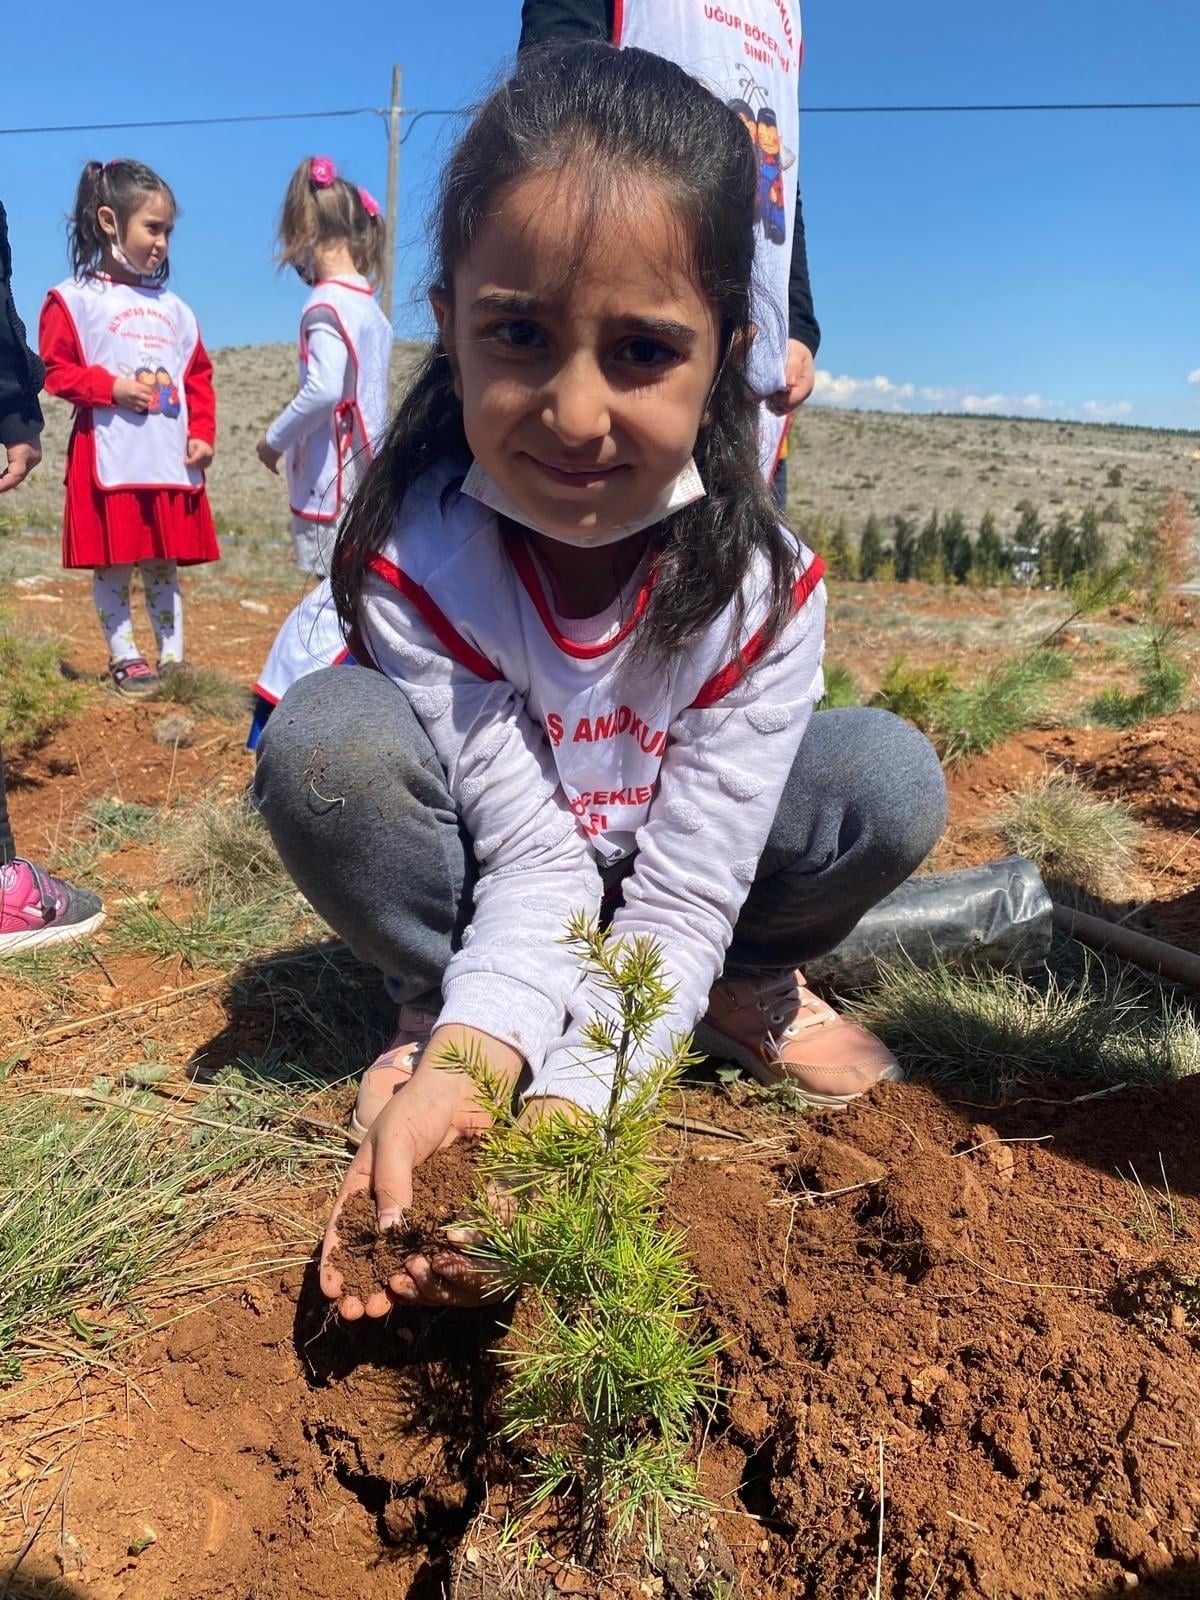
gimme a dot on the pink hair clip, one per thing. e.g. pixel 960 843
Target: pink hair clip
pixel 370 204
pixel 321 172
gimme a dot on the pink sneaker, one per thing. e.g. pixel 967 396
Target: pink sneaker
pixel 392 1068
pixel 37 910
pixel 778 1029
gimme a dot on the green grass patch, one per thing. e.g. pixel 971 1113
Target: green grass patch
pixel 35 698
pixel 1072 835
pixel 99 1197
pixel 840 690
pixel 210 936
pixel 207 692
pixel 224 848
pixel 996 1033
pixel 112 822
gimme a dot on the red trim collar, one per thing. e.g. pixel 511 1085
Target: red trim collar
pixel 518 552
pixel 358 288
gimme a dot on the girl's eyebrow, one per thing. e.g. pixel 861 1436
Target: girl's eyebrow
pixel 662 328
pixel 520 305
pixel 526 305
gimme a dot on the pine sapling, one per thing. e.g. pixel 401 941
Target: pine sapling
pixel 1163 679
pixel 605 1371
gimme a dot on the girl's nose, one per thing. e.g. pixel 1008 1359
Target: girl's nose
pixel 577 404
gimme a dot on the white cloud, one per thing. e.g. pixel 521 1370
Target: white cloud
pixel 1194 377
pixel 871 392
pixel 1106 410
pixel 881 393
pixel 1006 405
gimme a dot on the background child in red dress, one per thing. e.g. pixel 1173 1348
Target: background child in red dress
pixel 127 353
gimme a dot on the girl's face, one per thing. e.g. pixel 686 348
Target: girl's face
pixel 583 373
pixel 146 236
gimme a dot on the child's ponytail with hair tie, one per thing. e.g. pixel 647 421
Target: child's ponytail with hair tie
pixel 321 209
pixel 85 238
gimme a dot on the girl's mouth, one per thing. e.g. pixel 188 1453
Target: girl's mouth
pixel 572 475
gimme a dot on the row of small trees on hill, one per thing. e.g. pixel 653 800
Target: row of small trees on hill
pixel 1045 553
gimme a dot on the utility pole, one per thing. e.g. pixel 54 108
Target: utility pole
pixel 393 175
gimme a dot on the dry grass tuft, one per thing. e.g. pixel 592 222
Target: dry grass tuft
pixel 997 1033
pixel 1072 836
pixel 222 848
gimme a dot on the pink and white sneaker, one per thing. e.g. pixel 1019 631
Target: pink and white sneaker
pixel 37 910
pixel 776 1028
pixel 392 1067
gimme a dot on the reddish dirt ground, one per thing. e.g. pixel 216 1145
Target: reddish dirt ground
pixel 1028 1356
pixel 963 1285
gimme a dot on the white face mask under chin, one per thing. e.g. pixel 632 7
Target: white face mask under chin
pixel 686 488
pixel 149 279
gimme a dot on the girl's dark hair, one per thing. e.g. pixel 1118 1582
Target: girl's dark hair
pixel 123 185
pixel 616 115
pixel 329 213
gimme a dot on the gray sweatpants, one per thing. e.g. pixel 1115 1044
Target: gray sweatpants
pixel 356 801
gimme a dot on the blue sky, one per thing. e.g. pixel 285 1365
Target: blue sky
pixel 1040 265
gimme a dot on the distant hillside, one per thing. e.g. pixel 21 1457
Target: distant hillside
pixel 844 463
pixel 852 463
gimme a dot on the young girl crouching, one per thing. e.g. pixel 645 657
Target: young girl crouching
pixel 598 651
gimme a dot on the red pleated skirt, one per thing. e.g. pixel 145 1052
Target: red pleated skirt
pixel 114 527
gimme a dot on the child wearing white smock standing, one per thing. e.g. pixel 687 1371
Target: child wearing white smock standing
pixel 333 235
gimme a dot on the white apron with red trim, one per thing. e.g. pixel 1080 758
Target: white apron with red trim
pixel 748 53
pixel 146 333
pixel 321 467
pixel 310 638
pixel 607 717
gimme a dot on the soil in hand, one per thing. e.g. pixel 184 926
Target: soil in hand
pixel 367 1258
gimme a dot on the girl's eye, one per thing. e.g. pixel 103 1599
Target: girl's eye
pixel 647 353
pixel 516 335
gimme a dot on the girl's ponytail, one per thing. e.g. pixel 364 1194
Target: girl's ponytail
pixel 322 208
pixel 369 246
pixel 85 240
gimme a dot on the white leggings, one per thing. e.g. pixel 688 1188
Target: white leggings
pixel 111 591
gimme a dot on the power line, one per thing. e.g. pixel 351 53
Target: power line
pixel 200 122
pixel 1041 105
pixel 416 115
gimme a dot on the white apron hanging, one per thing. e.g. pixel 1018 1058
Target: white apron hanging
pixel 748 53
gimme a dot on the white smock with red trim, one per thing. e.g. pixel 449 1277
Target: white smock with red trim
pixel 310 638
pixel 748 52
pixel 568 753
pixel 134 331
pixel 322 464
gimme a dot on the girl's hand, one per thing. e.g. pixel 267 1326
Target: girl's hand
pixel 199 454
pixel 433 1109
pixel 132 394
pixel 269 457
